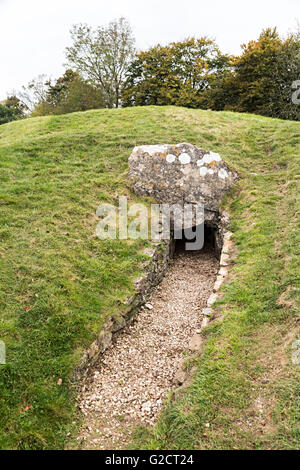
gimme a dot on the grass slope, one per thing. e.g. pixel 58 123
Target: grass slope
pixel 58 282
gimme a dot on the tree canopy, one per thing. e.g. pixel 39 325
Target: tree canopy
pixel 104 70
pixel 102 56
pixel 194 73
pixel 6 114
pixel 175 74
pixel 69 93
pixel 262 77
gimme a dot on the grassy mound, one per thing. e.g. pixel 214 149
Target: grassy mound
pixel 58 282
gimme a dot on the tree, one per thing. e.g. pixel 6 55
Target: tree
pixel 81 96
pixel 255 71
pixel 69 93
pixel 6 114
pixel 34 92
pixel 151 79
pixel 102 56
pixel 286 73
pixel 58 92
pixel 177 74
pixel 263 76
pixel 15 104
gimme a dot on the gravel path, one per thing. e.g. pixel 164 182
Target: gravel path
pixel 133 378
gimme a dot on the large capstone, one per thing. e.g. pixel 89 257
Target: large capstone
pixel 179 174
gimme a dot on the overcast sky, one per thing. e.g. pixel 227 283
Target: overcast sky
pixel 34 33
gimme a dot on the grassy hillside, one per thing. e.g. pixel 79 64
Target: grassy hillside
pixel 58 282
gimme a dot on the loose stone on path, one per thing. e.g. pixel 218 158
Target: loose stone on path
pixel 134 377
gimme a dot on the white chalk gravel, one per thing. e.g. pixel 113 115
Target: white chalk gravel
pixel 132 379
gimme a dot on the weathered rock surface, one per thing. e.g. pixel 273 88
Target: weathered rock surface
pixel 196 343
pixel 183 173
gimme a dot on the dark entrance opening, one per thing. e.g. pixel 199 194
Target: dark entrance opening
pixel 209 241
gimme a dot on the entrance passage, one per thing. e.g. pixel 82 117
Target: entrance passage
pixel 133 378
pixel 209 238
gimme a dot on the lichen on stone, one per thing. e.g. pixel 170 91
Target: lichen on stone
pixel 186 173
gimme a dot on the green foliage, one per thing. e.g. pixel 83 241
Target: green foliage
pixel 193 73
pixel 263 76
pixel 68 94
pixel 102 56
pixel 14 103
pixel 7 114
pixel 176 74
